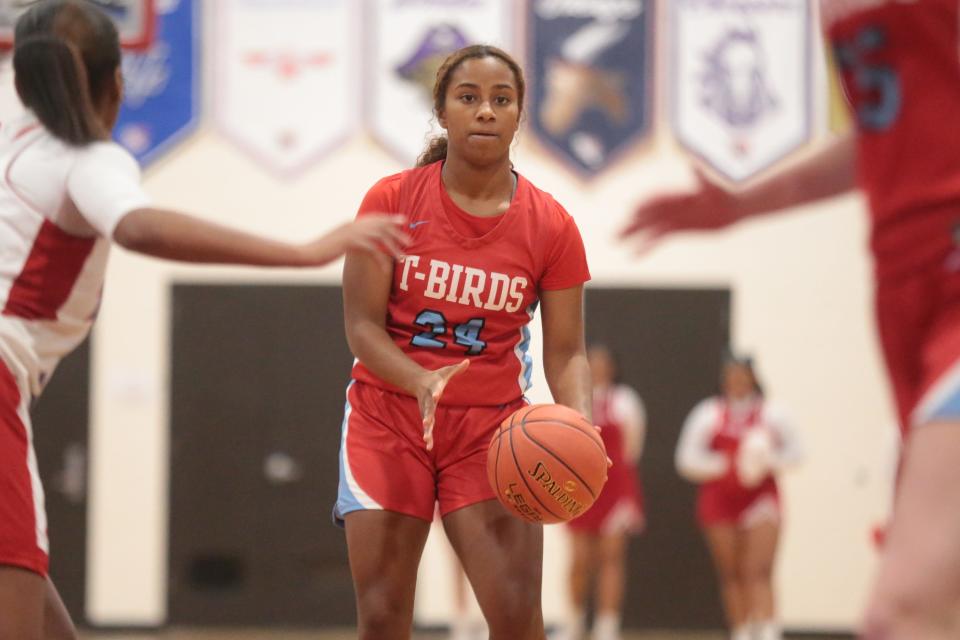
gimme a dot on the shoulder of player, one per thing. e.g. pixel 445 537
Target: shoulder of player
pixel 774 413
pixel 103 153
pixel 388 182
pixel 544 206
pixel 384 195
pixel 625 392
pixel 707 409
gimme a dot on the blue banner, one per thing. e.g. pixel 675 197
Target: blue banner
pixel 590 80
pixel 161 95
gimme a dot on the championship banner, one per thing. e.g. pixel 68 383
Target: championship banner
pixel 741 81
pixel 407 42
pixel 286 78
pixel 161 95
pixel 590 80
pixel 135 20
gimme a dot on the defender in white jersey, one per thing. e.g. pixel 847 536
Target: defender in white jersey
pixel 66 191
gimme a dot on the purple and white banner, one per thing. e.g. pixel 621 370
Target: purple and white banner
pixel 286 77
pixel 408 40
pixel 741 74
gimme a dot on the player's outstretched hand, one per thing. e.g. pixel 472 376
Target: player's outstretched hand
pixel 428 395
pixel 707 207
pixel 375 232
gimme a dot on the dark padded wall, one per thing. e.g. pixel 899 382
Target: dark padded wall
pixel 257 388
pixel 60 428
pixel 669 345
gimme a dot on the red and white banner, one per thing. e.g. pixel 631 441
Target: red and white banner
pixel 408 40
pixel 286 78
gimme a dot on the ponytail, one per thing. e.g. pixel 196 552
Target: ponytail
pixel 52 82
pixel 436 150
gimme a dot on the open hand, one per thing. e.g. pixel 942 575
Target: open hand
pixel 428 395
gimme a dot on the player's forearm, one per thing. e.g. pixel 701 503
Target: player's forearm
pixel 825 174
pixel 175 236
pixel 568 376
pixel 701 466
pixel 373 346
pixel 633 441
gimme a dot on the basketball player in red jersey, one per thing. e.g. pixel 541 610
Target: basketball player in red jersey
pixel 66 191
pixel 441 341
pixel 600 536
pixel 900 66
pixel 738 506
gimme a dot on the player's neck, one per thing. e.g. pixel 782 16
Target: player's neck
pixel 490 183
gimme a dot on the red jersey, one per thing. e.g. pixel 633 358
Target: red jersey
pixel 469 286
pixel 900 66
pixel 728 433
pixel 611 407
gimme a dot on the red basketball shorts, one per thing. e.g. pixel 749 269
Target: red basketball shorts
pixel 384 463
pixel 919 325
pixel 721 503
pixel 23 521
pixel 618 508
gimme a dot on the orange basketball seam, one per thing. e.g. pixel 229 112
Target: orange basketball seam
pixel 496 464
pixel 569 426
pixel 524 478
pixel 558 458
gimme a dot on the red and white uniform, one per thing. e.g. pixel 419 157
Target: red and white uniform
pixel 620 414
pixel 707 454
pixel 900 66
pixel 59 206
pixel 467 287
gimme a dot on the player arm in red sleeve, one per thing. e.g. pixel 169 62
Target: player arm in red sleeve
pixel 564 349
pixel 561 298
pixel 367 278
pixel 827 173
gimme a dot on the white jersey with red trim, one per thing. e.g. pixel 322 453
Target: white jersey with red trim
pixel 59 206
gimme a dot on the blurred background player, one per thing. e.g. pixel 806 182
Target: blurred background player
pixel 441 343
pixel 899 66
pixel 599 538
pixel 67 192
pixel 732 445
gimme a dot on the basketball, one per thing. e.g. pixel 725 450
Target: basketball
pixel 547 463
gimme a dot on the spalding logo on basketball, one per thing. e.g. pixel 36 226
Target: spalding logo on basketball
pixel 547 463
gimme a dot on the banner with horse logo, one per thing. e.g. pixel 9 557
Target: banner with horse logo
pixel 286 78
pixel 407 43
pixel 161 95
pixel 742 87
pixel 590 77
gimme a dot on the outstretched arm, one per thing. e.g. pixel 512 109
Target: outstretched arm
pixel 177 236
pixel 826 173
